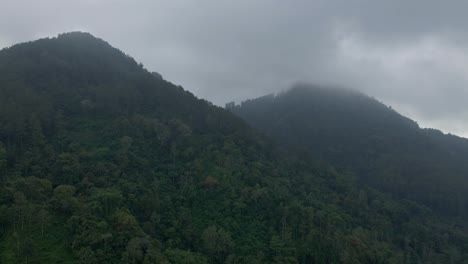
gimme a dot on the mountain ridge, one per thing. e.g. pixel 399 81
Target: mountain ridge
pixel 101 162
pixel 354 131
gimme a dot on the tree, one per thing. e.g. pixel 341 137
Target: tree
pixel 3 159
pixel 87 256
pixel 63 198
pixel 43 217
pixel 217 242
pixel 70 167
pixel 27 249
pixel 109 199
pixel 178 256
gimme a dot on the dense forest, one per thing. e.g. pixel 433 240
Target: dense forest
pixel 383 148
pixel 102 161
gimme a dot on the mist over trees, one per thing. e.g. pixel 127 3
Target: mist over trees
pixel 382 148
pixel 102 161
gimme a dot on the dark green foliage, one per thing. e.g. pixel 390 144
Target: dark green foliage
pixel 384 149
pixel 103 163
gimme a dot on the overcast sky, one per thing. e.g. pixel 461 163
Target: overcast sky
pixel 410 54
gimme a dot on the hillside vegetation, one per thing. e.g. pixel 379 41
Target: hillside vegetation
pixel 101 161
pixel 383 148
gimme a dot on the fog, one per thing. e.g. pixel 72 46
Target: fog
pixel 411 55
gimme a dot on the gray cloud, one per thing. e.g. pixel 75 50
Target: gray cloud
pixel 410 54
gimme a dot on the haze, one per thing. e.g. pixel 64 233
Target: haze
pixel 411 55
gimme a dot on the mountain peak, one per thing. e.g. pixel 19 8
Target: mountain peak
pixel 80 37
pixel 68 53
pixel 76 34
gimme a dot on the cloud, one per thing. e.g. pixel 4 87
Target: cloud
pixel 428 74
pixel 410 54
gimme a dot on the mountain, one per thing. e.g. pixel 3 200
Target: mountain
pixel 381 147
pixel 102 161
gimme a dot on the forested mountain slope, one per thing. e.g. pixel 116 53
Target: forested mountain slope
pixel 356 132
pixel 103 162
